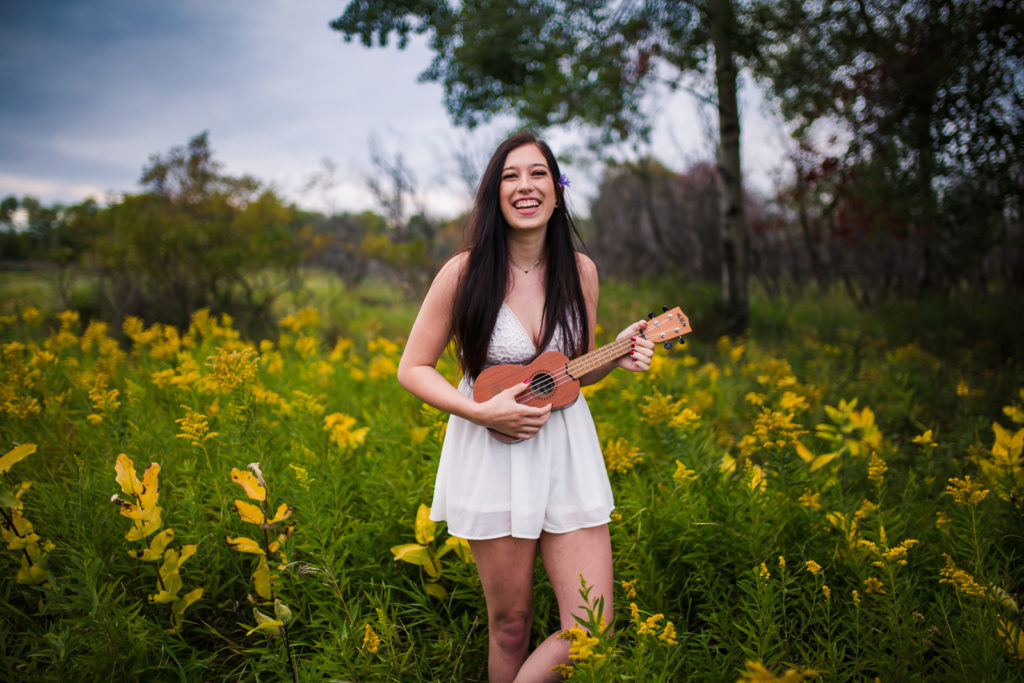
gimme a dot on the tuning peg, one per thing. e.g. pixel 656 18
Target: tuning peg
pixel 650 315
pixel 664 309
pixel 668 345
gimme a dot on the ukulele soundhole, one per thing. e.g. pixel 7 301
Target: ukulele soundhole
pixel 542 385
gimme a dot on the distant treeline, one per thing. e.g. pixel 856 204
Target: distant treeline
pixel 197 238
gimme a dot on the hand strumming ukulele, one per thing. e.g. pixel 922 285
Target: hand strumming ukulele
pixel 554 379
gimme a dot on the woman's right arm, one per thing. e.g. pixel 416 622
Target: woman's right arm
pixel 417 371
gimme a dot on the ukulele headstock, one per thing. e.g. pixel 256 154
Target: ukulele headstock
pixel 670 325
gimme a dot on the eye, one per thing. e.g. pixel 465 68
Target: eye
pixel 509 176
pixel 540 173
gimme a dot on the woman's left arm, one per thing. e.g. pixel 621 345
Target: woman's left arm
pixel 639 358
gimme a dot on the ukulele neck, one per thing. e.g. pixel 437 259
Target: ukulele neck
pixel 591 361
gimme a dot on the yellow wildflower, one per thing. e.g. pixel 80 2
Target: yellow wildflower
pixel 683 474
pixel 686 418
pixel 302 476
pixel 668 634
pixel 812 566
pixel 757 673
pixel 31 315
pixel 782 561
pixel 340 427
pixel 962 389
pixel 810 500
pixel 382 367
pixel 564 670
pixel 383 345
pixel 629 587
pixel 619 456
pixel 876 468
pixel 965 491
pixel 898 553
pixel 792 401
pixel 764 573
pixel 874 585
pixel 649 626
pixel 942 520
pixel 307 317
pixel 307 403
pixel 658 409
pixel 581 645
pixel 925 440
pixel 306 346
pixel 195 427
pixel 340 349
pixel 232 369
pixel 961 580
pixel 371 641
pixel 827 591
pixel 754 398
pixel 865 509
pixel 856 596
pixel 273 361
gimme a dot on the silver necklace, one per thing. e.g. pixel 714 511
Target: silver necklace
pixel 526 271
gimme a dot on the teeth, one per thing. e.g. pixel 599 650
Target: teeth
pixel 529 203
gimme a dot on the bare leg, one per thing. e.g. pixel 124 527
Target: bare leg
pixel 506 573
pixel 566 556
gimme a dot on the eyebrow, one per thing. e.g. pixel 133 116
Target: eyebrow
pixel 533 165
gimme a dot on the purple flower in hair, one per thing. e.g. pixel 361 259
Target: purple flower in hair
pixel 563 181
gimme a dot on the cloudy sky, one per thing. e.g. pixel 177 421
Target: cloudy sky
pixel 92 88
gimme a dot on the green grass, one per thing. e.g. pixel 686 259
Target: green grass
pixel 704 497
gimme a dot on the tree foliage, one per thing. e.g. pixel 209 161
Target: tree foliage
pixel 197 239
pixel 927 101
pixel 580 61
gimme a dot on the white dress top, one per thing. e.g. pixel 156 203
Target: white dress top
pixel 554 482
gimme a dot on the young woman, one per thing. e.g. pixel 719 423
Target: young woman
pixel 519 289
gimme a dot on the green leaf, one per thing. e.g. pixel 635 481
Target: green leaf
pixel 437 590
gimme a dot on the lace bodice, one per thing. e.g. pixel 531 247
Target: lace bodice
pixel 510 342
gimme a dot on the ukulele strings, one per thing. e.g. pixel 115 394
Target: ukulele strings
pixel 605 353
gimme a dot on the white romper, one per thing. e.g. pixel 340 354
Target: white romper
pixel 555 482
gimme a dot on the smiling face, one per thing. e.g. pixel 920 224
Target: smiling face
pixel 527 192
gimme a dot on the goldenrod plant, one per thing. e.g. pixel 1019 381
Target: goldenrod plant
pixel 423 552
pixel 272 536
pixel 142 508
pixel 15 529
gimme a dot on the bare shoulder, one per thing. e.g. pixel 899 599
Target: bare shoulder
pixel 447 278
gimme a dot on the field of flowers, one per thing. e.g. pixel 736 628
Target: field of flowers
pixel 814 501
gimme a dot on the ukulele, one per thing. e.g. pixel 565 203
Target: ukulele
pixel 555 379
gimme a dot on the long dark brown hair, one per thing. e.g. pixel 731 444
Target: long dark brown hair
pixel 485 280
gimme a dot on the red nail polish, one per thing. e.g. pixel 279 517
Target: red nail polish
pixel 632 339
pixel 526 381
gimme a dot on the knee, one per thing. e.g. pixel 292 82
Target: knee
pixel 510 631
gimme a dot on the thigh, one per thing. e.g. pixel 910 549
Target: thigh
pixel 586 552
pixel 505 566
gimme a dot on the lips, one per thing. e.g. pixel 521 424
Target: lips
pixel 526 204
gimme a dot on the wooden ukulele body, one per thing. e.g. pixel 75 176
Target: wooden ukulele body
pixel 548 375
pixel 554 379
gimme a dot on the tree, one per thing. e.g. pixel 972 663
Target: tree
pixel 586 61
pixel 929 95
pixel 197 239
